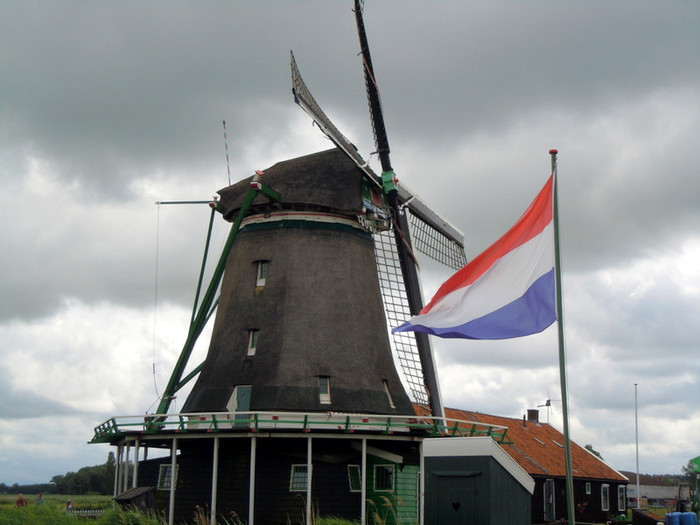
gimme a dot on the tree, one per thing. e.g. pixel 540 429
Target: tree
pixel 60 482
pixel 590 449
pixel 108 470
pixel 691 475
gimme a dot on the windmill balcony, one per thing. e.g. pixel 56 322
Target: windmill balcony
pixel 115 429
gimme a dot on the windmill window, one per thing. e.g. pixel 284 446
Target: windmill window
pixel 164 478
pixel 261 272
pixel 324 390
pixel 621 497
pixel 252 341
pixel 355 478
pixel 388 394
pixel 298 479
pixel 605 497
pixel 384 478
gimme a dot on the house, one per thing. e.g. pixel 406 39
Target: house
pixel 658 491
pixel 599 489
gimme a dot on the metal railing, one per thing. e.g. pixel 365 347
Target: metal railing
pixel 121 426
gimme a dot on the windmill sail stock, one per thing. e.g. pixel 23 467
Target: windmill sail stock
pixel 413 220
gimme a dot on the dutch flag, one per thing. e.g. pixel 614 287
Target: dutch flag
pixel 507 291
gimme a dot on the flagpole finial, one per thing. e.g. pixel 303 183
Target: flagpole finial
pixel 553 154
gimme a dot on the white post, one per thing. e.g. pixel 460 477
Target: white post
pixel 363 494
pixel 173 480
pixel 309 467
pixel 135 480
pixel 125 482
pixel 116 470
pixel 214 479
pixel 251 482
pixel 636 440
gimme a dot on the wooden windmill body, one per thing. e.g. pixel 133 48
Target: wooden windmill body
pixel 311 334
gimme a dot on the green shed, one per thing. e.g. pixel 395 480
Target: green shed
pixel 472 480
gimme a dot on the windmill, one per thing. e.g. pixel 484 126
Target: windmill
pixel 299 386
pixel 548 404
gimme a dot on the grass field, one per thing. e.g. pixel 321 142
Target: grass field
pixel 52 512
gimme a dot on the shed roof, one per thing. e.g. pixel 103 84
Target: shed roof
pixel 539 448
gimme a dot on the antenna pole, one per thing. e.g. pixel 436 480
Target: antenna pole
pixel 228 167
pixel 562 352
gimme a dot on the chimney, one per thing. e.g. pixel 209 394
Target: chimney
pixel 533 415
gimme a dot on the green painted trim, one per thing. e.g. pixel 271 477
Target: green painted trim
pixel 306 225
pixel 389 181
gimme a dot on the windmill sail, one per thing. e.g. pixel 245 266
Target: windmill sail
pixel 303 97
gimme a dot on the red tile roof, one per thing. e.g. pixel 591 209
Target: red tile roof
pixel 539 448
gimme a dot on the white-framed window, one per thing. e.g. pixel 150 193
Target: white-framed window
pixel 252 341
pixel 588 487
pixel 605 496
pixel 164 476
pixel 355 478
pixel 384 478
pixel 621 497
pixel 388 394
pixel 298 478
pixel 262 268
pixel 324 390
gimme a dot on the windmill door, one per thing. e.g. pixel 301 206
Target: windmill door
pixel 241 396
pixel 549 500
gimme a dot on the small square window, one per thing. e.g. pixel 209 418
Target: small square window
pixel 164 476
pixel 355 478
pixel 324 390
pixel 261 276
pixel 298 480
pixel 252 341
pixel 384 477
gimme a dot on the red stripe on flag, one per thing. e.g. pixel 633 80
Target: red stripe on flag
pixel 531 223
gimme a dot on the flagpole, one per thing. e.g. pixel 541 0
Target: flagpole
pixel 562 353
pixel 636 445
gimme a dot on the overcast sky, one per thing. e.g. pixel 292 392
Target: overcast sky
pixel 107 107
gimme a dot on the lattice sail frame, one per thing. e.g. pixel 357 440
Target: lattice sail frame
pixel 438 247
